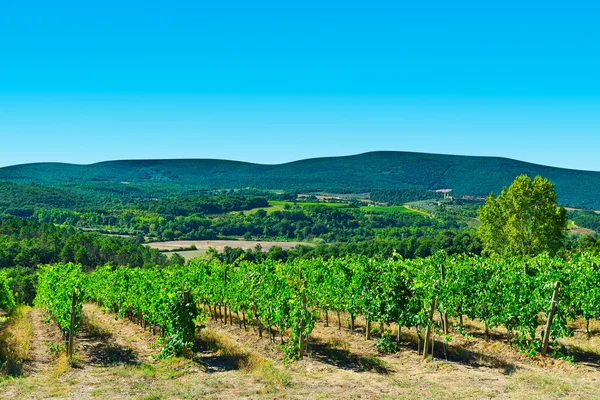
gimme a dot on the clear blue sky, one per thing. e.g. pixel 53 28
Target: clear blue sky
pixel 278 81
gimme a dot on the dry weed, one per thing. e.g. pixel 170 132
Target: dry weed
pixel 15 341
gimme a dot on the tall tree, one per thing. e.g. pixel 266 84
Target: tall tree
pixel 524 219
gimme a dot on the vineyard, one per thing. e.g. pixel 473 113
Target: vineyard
pixel 7 300
pixel 284 300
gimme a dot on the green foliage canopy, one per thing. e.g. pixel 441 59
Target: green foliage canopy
pixel 7 300
pixel 524 219
pixel 58 285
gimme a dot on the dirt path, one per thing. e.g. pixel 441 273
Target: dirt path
pixel 342 364
pixel 104 340
pixel 105 348
pixel 44 334
pixel 115 361
pixel 41 359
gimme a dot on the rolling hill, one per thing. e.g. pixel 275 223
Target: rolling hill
pixel 466 175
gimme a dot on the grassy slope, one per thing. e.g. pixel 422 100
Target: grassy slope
pixel 363 172
pixel 275 205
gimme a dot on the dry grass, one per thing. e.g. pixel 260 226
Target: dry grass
pixel 340 343
pixel 234 363
pixel 61 366
pixel 546 385
pixel 218 343
pixel 15 342
pixel 250 362
pixel 94 326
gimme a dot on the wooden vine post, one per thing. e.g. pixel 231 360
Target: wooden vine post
pixel 303 339
pixel 587 327
pixel 550 317
pixel 72 326
pixel 224 285
pixel 428 330
pixel 444 316
pixel 302 343
pixel 186 335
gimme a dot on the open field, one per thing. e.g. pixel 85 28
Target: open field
pixel 582 231
pixel 115 359
pixel 308 203
pixel 279 206
pixel 573 228
pixel 275 205
pixel 388 209
pixel 203 245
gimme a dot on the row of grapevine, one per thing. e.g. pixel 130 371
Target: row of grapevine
pixel 508 292
pixel 284 298
pixel 274 295
pixel 269 295
pixel 61 291
pixel 7 299
pixel 156 297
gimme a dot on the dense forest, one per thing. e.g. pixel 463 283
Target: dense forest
pixel 25 199
pixel 363 173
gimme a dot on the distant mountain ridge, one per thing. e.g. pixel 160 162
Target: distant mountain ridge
pixel 468 175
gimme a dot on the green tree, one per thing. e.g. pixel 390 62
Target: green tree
pixel 524 219
pixel 175 259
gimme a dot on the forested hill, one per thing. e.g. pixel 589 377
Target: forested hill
pixel 359 173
